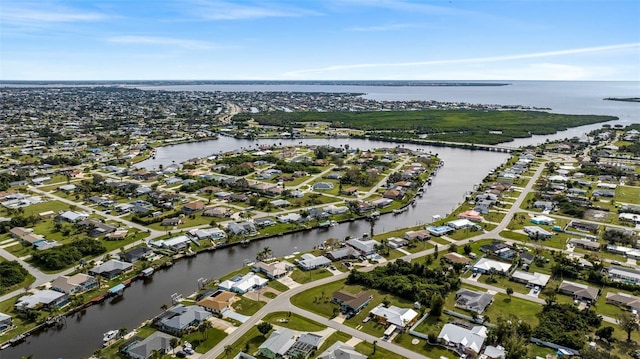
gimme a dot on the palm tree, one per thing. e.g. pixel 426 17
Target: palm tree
pixel 204 328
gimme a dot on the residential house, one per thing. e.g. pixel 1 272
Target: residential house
pixel 473 301
pixel 290 218
pixel 136 254
pixel 455 258
pixel 499 249
pixel 176 244
pixel 6 322
pixel 179 318
pixel 471 215
pixel 264 222
pixel 351 303
pixel 42 298
pixel 304 345
pixel 218 302
pixel 96 228
pixel 365 247
pixel 208 233
pixel 244 228
pixel 243 284
pixel 393 194
pixel 72 216
pixel 278 343
pixel 273 270
pixel 585 243
pixel 111 268
pixel 467 341
pixel 402 318
pixel 623 274
pixel 333 209
pixel 171 222
pixel 308 262
pixel 193 207
pixel 439 231
pixel 531 280
pixel 584 226
pixel 77 283
pixel 485 265
pixel 624 300
pixel 381 202
pixel 340 350
pixel 461 224
pixel 342 253
pixel 537 232
pixel 421 235
pixel 157 342
pixel 217 212
pixel 491 352
pixel 543 220
pixel 544 205
pixel 579 291
pixel 322 186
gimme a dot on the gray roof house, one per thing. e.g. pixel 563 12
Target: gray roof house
pixel 278 343
pixel 468 341
pixel 340 350
pixel 181 317
pixel 5 322
pixel 111 268
pixel 309 261
pixel 365 247
pixel 145 348
pixel 579 291
pixel 47 298
pixel 473 301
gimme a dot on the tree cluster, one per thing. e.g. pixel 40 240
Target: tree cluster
pixel 566 325
pixel 11 273
pixel 411 281
pixel 67 254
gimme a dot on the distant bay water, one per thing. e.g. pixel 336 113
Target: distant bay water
pixel 570 97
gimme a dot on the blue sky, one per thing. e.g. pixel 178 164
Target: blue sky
pixel 320 40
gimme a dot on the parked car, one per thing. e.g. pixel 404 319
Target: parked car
pixel 181 354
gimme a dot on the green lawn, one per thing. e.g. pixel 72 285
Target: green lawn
pixel 277 286
pixel 203 342
pixel 249 343
pixel 336 336
pixel 628 194
pixel 247 306
pixel 293 321
pixel 380 353
pixel 303 277
pixel 422 347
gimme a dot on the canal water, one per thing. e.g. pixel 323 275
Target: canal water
pixel 82 333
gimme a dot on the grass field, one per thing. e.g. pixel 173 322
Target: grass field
pixel 293 321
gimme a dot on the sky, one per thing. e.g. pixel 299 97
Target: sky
pixel 570 40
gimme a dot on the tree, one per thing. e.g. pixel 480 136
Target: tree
pixel 375 345
pixel 467 249
pixel 509 292
pixel 227 350
pixel 629 323
pixel 437 303
pixel 264 328
pixel 204 327
pixel 605 333
pixel 174 342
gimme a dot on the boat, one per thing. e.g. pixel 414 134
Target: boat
pixel 413 202
pixel 373 215
pixel 110 335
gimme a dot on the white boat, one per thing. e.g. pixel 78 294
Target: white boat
pixel 110 335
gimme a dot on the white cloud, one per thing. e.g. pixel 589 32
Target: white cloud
pixel 476 60
pixel 37 13
pixel 163 41
pixel 221 10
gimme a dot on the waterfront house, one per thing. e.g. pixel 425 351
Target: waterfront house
pixel 333 209
pixel 45 299
pixel 264 222
pixel 218 302
pixel 176 244
pixel 402 318
pixel 420 235
pixel 111 268
pixel 77 283
pixel 342 253
pixel 180 318
pixel 365 247
pixel 6 322
pixel 244 228
pixel 473 301
pixel 461 224
pixel 273 270
pixel 351 303
pixel 156 342
pixel 579 291
pixel 243 284
pixel 466 341
pixel 471 215
pixel 308 262
pixel 278 343
pixel 136 254
pixel 340 350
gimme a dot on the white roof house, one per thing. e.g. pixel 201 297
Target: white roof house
pixel 464 338
pixel 246 283
pixel 400 317
pixel 485 265
pixel 531 279
pixel 460 223
pixel 45 297
pixel 365 247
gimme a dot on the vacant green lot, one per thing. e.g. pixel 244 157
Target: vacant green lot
pixel 293 321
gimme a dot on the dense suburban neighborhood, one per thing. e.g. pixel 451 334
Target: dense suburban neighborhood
pixel 538 261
